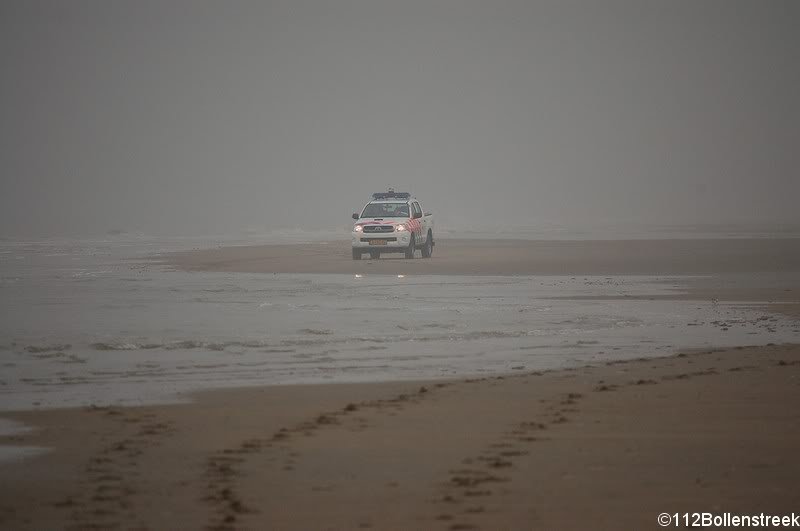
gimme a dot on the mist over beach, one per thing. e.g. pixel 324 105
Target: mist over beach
pixel 190 119
pixel 573 302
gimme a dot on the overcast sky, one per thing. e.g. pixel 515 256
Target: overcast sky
pixel 203 117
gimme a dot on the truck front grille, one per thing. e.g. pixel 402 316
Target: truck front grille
pixel 378 228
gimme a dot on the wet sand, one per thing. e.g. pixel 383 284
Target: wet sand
pixel 511 257
pixel 607 447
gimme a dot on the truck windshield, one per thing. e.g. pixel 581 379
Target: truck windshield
pixel 385 210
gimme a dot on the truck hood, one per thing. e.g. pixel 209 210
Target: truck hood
pixel 381 221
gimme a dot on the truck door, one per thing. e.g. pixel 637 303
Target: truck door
pixel 422 232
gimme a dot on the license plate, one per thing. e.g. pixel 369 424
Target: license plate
pixel 377 242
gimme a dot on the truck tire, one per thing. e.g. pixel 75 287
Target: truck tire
pixel 356 254
pixel 411 248
pixel 427 250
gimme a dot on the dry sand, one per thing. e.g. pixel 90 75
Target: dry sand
pixel 606 447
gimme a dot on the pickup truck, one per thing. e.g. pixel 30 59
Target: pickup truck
pixel 392 222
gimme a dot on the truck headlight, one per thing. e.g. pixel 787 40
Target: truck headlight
pixel 358 228
pixel 400 228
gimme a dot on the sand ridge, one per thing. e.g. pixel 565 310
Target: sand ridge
pixel 509 257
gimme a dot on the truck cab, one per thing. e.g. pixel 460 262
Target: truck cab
pixel 392 222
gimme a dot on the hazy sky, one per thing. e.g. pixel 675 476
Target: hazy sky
pixel 203 117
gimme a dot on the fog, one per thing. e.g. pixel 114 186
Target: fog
pixel 210 117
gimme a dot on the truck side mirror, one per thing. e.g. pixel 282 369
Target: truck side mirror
pixel 355 216
pixel 417 215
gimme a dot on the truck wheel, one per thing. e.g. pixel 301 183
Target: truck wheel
pixel 410 249
pixel 374 254
pixel 356 254
pixel 427 251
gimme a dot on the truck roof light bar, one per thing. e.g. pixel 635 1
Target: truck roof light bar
pixel 391 195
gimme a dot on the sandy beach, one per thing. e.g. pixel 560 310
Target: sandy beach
pixel 512 257
pixel 608 445
pixel 597 325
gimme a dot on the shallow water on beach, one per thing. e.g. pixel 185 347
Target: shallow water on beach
pixel 94 323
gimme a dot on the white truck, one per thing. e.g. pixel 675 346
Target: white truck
pixel 392 222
